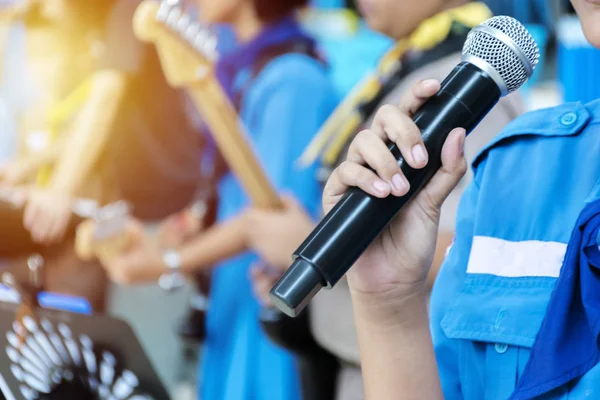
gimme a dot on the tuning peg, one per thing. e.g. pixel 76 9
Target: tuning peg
pixel 202 38
pixel 173 17
pixel 163 11
pixel 183 24
pixel 211 48
pixel 192 31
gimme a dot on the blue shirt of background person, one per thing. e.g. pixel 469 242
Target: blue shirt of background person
pixel 514 222
pixel 282 108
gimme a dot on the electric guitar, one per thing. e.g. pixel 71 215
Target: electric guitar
pixel 187 51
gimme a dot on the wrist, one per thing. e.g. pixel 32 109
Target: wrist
pixel 171 279
pixel 392 307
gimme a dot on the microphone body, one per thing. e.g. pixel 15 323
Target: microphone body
pixel 464 99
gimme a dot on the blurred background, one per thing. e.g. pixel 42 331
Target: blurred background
pixel 568 71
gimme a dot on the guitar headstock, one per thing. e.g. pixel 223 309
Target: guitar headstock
pixel 187 49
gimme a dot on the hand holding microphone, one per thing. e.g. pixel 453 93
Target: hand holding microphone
pixel 498 57
pixel 399 258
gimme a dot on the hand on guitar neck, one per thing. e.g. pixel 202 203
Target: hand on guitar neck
pixel 275 234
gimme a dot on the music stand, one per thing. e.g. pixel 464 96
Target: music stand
pixel 72 356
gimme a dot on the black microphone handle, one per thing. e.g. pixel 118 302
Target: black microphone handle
pixel 465 97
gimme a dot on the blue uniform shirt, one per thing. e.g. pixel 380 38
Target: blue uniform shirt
pixel 513 225
pixel 282 110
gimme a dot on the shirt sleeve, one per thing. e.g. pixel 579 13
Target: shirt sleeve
pixel 447 286
pixel 124 51
pixel 295 99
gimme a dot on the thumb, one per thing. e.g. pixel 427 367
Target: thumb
pixel 453 169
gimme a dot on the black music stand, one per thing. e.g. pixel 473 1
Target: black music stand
pixel 76 356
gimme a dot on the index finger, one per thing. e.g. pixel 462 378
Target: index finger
pixel 418 94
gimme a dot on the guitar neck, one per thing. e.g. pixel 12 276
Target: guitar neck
pixel 186 48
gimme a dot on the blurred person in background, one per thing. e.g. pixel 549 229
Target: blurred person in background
pixel 435 49
pixel 514 312
pixel 94 127
pixel 13 92
pixel 281 90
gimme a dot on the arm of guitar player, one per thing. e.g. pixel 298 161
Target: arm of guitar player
pixel 91 131
pixel 140 260
pixel 218 243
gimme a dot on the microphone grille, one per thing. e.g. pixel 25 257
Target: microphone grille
pixel 507 47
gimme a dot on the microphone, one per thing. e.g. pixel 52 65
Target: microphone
pixel 498 57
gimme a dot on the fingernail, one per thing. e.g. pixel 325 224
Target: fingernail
pixel 399 183
pixel 381 186
pixel 419 154
pixel 430 83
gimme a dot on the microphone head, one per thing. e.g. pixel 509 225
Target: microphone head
pixel 503 48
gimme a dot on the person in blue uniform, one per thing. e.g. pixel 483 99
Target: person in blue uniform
pixel 514 309
pixel 282 92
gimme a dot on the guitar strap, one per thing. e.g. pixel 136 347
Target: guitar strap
pixel 269 54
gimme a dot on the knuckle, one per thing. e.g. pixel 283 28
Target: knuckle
pixel 386 109
pixel 362 137
pixel 412 131
pixel 390 165
pixel 364 177
pixel 408 133
pixel 430 207
pixel 342 170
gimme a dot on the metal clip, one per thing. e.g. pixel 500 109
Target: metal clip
pixel 35 263
pixel 111 220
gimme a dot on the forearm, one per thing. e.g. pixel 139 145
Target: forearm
pixel 397 356
pixel 213 245
pixel 90 133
